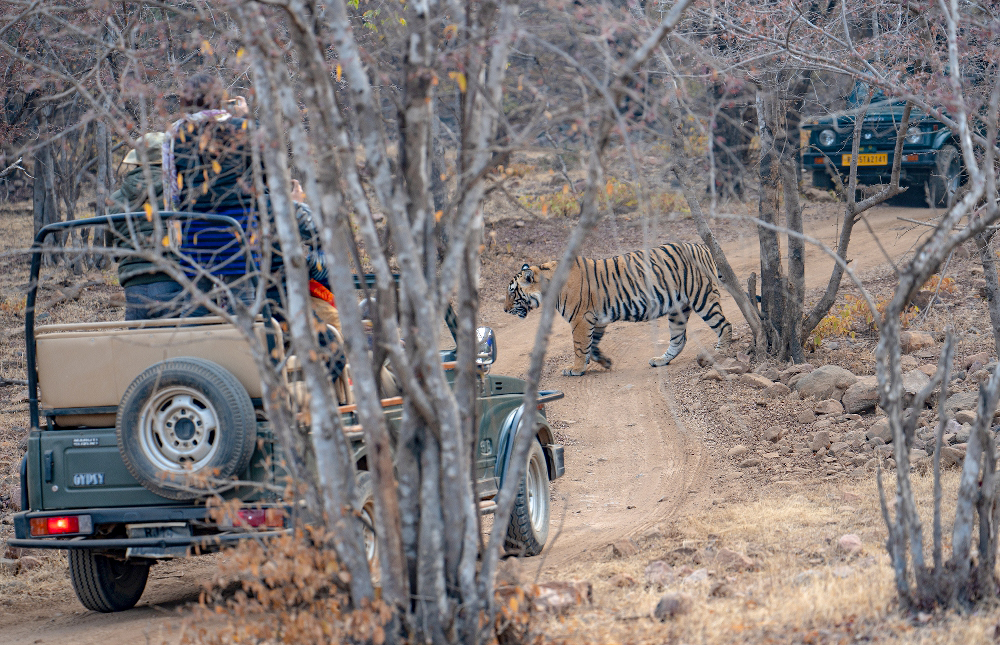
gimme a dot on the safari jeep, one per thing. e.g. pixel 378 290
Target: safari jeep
pixel 120 408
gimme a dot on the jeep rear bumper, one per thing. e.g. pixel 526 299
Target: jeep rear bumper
pixel 209 536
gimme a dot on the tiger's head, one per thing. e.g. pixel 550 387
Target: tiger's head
pixel 525 290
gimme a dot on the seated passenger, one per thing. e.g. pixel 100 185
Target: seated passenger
pixel 149 292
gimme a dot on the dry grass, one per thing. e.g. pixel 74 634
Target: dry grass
pixel 801 590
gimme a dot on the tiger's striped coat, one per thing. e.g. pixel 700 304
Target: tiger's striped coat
pixel 670 280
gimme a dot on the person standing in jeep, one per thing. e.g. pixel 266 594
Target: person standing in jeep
pixel 931 159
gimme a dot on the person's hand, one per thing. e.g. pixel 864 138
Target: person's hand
pixel 298 195
pixel 238 107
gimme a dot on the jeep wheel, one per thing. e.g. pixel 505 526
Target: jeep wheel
pixel 529 521
pixel 105 584
pixel 183 417
pixel 365 505
pixel 942 187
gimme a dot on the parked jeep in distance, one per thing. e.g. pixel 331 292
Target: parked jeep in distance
pixel 932 159
pixel 118 409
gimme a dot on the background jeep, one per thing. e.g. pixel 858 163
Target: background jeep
pixel 932 159
pixel 124 413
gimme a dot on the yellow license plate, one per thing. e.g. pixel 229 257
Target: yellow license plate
pixel 872 159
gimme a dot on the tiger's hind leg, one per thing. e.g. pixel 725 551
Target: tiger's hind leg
pixel 712 314
pixel 595 352
pixel 583 335
pixel 678 338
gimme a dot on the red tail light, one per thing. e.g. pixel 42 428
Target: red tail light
pixel 61 525
pixel 255 517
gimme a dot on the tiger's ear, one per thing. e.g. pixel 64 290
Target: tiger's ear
pixel 528 274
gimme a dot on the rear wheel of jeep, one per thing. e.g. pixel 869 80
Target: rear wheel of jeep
pixel 821 179
pixel 529 521
pixel 942 187
pixel 364 504
pixel 105 584
pixel 181 418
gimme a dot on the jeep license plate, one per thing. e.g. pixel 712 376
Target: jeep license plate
pixel 165 530
pixel 870 159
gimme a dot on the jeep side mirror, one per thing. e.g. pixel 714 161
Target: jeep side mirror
pixel 486 343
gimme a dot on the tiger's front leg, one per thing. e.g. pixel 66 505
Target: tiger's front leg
pixel 678 338
pixel 583 334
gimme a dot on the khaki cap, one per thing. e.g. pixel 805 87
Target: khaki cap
pixel 153 142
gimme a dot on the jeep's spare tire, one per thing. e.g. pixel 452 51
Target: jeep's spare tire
pixel 181 418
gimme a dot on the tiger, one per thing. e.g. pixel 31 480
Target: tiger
pixel 599 292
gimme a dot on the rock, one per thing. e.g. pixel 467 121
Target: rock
pixel 961 401
pixel 755 381
pixel 738 451
pixel 558 597
pixel 820 441
pixel 713 375
pixel 849 544
pixel 880 429
pixel 802 368
pixel 828 406
pixel 862 396
pixel 770 373
pixel 911 341
pixel 659 573
pixel 839 448
pixel 698 575
pixel 928 369
pixel 965 416
pixel 732 366
pixel 826 382
pixel 805 416
pixel 670 606
pixel 750 462
pixel 980 376
pixel 914 381
pixel 981 357
pixel 774 434
pixel 28 563
pixel 622 580
pixel 777 390
pixel 907 363
pixel 951 458
pixel 963 434
pixel 705 358
pixel 733 560
pixel 624 548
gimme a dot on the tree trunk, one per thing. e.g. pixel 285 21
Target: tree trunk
pixel 772 279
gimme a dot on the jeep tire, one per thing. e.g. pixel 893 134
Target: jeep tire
pixel 105 584
pixel 364 505
pixel 942 187
pixel 529 521
pixel 182 417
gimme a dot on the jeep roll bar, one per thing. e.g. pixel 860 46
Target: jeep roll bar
pixel 36 263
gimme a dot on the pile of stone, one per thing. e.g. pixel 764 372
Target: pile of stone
pixel 836 430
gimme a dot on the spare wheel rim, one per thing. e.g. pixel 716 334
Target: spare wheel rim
pixel 179 430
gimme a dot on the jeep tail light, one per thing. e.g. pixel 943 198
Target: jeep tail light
pixel 257 517
pixel 61 525
pixel 913 157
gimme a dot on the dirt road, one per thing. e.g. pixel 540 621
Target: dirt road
pixel 630 461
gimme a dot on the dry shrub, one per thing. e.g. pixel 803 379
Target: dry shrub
pixel 288 589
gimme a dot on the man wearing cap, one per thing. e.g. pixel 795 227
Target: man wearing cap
pixel 149 293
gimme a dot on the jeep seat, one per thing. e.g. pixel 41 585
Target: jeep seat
pixel 89 365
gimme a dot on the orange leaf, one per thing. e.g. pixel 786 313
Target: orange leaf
pixel 565 189
pixel 545 208
pixel 340 71
pixel 216 167
pixel 609 188
pixel 438 215
pixel 149 211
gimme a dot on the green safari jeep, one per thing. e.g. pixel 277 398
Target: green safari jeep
pixel 119 408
